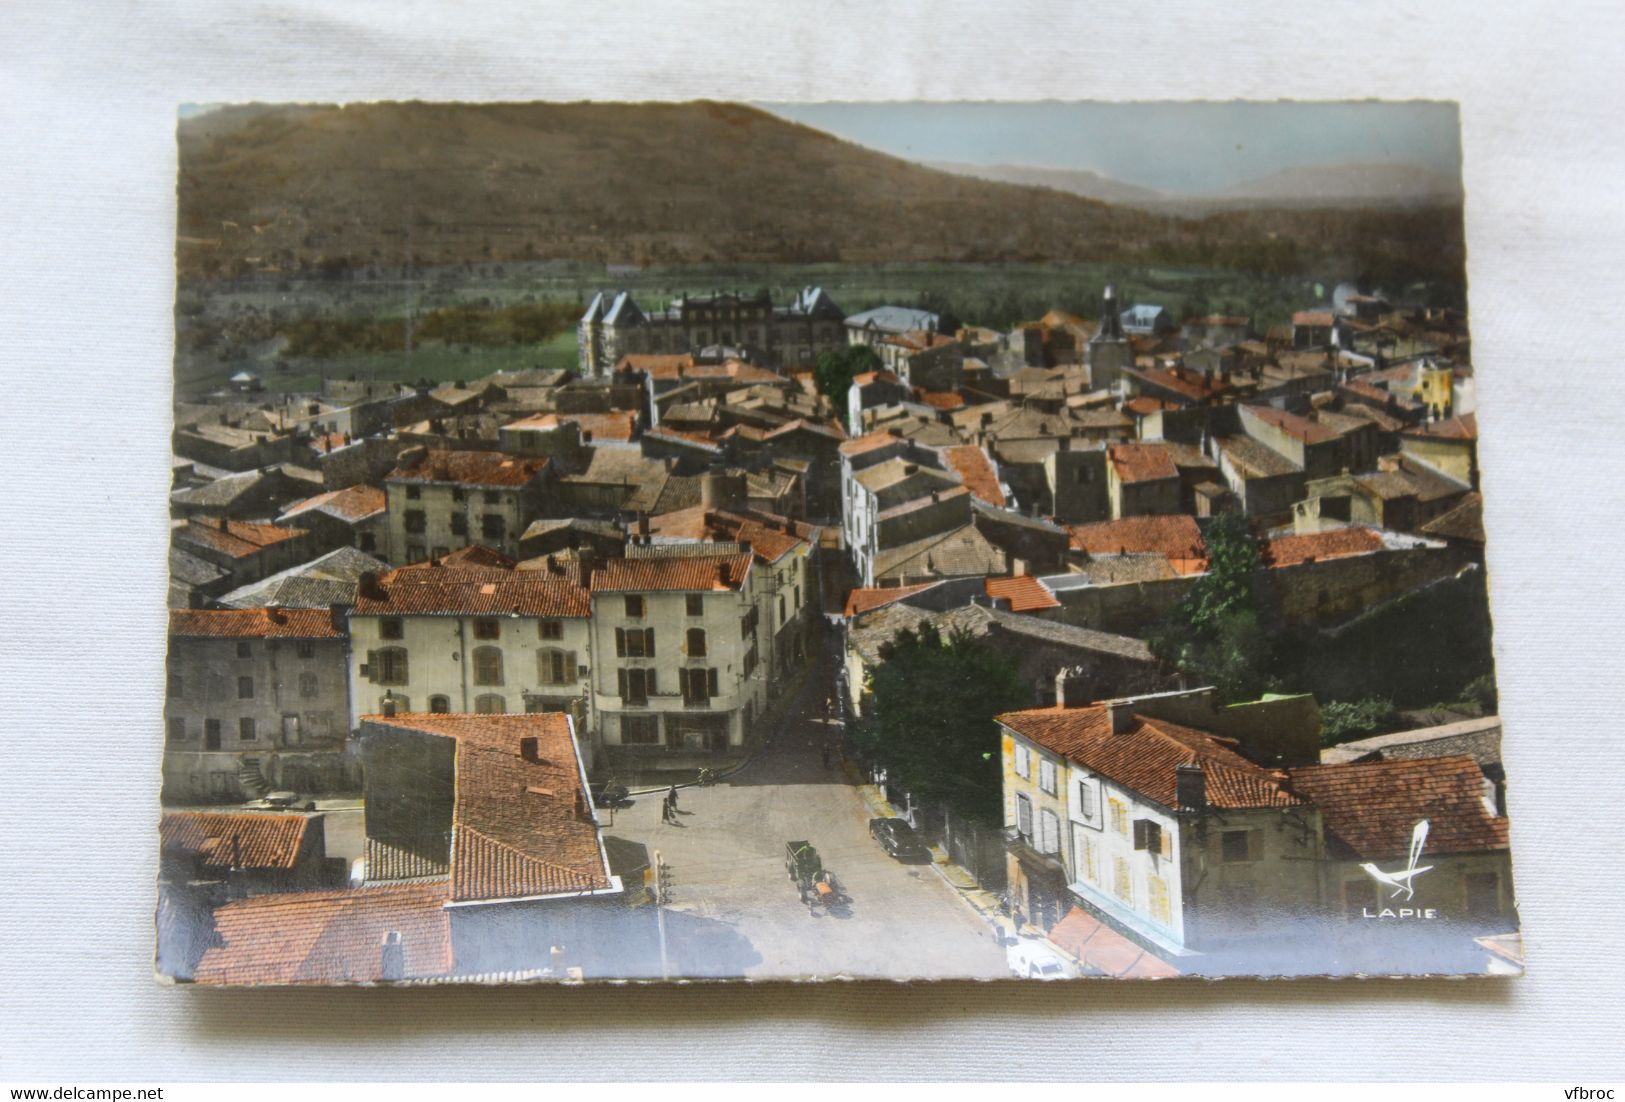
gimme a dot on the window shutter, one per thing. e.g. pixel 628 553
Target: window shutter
pixel 620 642
pixel 649 642
pixel 649 680
pixel 1141 834
pixel 711 681
pixel 620 682
pixel 570 666
pixel 682 680
pixel 370 669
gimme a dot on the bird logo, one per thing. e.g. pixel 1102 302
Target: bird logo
pixel 1400 880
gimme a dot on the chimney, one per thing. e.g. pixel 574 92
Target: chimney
pixel 1190 787
pixel 236 851
pixel 643 526
pixel 389 703
pixel 1070 687
pixel 339 616
pixel 392 957
pixel 1122 716
pixel 368 586
pixel 530 748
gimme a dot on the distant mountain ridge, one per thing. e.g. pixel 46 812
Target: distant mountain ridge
pixel 312 188
pixel 1356 184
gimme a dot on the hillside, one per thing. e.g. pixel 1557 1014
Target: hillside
pixel 1077 181
pixel 310 188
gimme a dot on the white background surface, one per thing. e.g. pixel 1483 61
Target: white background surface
pixel 87 177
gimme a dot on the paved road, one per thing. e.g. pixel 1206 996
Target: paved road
pixel 734 911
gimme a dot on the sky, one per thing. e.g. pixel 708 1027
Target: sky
pixel 1185 148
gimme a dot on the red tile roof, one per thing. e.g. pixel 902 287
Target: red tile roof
pixel 1145 405
pixel 1144 757
pixel 768 540
pixel 1371 808
pixel 351 504
pixel 224 840
pixel 253 623
pixel 694 572
pixel 329 937
pixel 869 442
pixel 237 538
pixel 1100 947
pixel 523 826
pixel 1025 593
pixel 1335 543
pixel 976 472
pixel 473 591
pixel 868 377
pixel 1141 462
pixel 862 600
pixel 470 468
pixel 1177 537
pixel 940 399
pixel 1464 427
pixel 660 366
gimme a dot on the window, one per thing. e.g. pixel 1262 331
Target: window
pixel 1119 815
pixel 487 629
pixel 177 730
pixel 696 605
pixel 487 666
pixel 458 493
pixel 747 623
pixel 640 730
pixel 1237 845
pixel 635 642
pixel 1049 832
pixel 1483 894
pixel 781 612
pixel 1024 816
pixel 245 688
pixel 694 644
pixel 245 649
pixel 175 685
pixel 439 705
pixel 416 521
pixel 459 524
pixel 636 685
pixel 390 628
pixel 555 667
pixel 490 704
pixel 245 729
pixel 492 497
pixel 697 686
pixel 551 629
pixel 414 552
pixel 305 649
pixel 388 666
pixel 413 493
pixel 634 606
pixel 1148 836
pixel 1024 762
pixel 307 685
pixel 1157 888
pixel 493 526
pixel 1046 776
pixel 1083 855
pixel 750 661
pixel 368 542
pixel 1088 801
pixel 1122 886
pixel 211 734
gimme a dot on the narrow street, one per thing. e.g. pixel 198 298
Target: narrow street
pixel 734 910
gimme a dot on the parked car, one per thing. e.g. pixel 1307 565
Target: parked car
pixel 898 839
pixel 1032 959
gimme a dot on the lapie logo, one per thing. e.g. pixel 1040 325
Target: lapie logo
pixel 1401 880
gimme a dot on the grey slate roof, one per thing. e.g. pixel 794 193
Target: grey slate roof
pixel 328 580
pixel 1479 739
pixel 894 319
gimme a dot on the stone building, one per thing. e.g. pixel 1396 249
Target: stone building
pixel 479 639
pixel 439 501
pixel 1177 838
pixel 258 699
pixel 614 326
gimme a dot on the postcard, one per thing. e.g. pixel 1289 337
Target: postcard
pixel 724 541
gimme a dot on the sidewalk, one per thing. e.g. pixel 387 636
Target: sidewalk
pixel 976 897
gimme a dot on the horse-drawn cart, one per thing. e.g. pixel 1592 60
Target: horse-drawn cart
pixel 815 883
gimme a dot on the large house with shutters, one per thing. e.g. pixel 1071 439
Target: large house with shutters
pixel 614 325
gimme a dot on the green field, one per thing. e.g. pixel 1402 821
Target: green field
pixel 225 327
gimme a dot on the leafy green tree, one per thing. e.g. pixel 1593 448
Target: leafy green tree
pixel 835 371
pixel 932 717
pixel 1216 635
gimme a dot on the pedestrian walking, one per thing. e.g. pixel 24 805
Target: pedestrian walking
pixel 671 797
pixel 665 810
